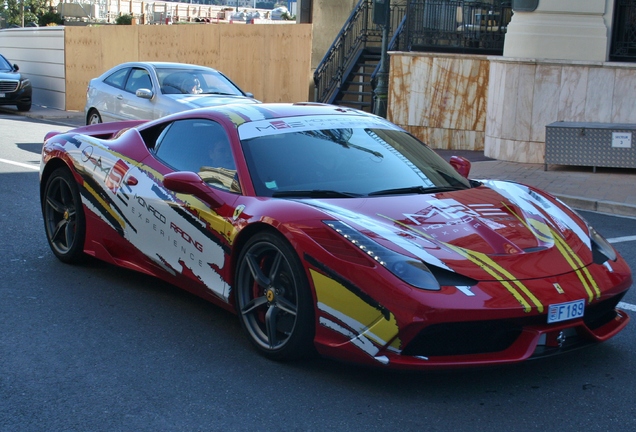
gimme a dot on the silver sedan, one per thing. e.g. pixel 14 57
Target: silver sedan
pixel 150 90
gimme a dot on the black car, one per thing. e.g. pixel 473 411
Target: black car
pixel 15 88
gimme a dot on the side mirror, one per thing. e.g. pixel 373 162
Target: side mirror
pixel 15 67
pixel 187 182
pixel 249 95
pixel 461 165
pixel 144 93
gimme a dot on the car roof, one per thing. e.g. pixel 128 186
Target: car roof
pixel 166 65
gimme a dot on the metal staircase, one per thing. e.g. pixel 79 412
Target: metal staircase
pixel 346 75
pixel 357 89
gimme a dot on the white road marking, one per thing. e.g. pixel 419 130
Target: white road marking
pixel 20 164
pixel 622 239
pixel 627 306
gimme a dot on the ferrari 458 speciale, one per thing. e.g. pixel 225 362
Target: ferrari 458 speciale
pixel 332 231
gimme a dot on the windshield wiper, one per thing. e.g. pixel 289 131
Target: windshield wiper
pixel 315 193
pixel 417 190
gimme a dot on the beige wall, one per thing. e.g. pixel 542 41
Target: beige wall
pixel 271 61
pixel 328 18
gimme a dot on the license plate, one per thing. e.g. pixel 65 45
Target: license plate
pixel 1 95
pixel 566 311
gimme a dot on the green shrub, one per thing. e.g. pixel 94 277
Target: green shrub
pixel 125 19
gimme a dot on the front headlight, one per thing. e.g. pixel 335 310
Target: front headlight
pixel 410 270
pixel 602 250
pixel 25 83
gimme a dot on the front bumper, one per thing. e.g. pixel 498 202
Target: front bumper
pixel 20 96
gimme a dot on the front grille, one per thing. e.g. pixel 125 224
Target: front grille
pixel 601 313
pixel 463 338
pixel 8 86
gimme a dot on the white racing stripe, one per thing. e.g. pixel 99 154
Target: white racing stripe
pixel 622 239
pixel 627 306
pixel 20 164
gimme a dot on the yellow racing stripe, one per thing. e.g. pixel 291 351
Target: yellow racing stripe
pixel 360 316
pixel 568 254
pixel 491 267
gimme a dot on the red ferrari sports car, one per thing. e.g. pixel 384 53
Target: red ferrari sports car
pixel 331 230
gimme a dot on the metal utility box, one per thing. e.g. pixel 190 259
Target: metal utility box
pixel 590 144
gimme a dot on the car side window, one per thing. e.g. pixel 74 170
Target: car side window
pixel 118 78
pixel 200 146
pixel 138 78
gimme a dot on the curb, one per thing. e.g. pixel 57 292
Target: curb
pixel 608 207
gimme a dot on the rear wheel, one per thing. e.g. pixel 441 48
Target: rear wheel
pixel 273 299
pixel 93 117
pixel 64 220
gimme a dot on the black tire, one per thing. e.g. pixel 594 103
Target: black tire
pixel 93 117
pixel 273 299
pixel 24 107
pixel 64 220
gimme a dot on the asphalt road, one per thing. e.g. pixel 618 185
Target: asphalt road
pixel 96 348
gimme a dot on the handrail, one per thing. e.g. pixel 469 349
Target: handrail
pixel 394 44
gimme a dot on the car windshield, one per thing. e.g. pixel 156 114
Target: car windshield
pixel 346 162
pixel 5 65
pixel 195 81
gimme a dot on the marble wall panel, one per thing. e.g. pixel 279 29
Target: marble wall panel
pixel 545 100
pixel 399 80
pixel 600 92
pixel 496 92
pixel 624 106
pixel 419 93
pixel 521 126
pixel 573 93
pixel 444 96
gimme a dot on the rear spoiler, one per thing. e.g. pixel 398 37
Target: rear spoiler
pixel 101 130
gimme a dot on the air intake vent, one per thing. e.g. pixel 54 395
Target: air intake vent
pixel 7 86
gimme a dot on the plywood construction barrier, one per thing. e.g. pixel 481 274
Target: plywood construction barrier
pixel 271 61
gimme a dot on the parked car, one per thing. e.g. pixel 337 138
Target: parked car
pixel 15 88
pixel 150 90
pixel 332 230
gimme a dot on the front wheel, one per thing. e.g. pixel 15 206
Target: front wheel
pixel 24 107
pixel 273 299
pixel 63 214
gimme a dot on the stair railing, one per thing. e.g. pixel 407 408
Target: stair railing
pixel 398 42
pixel 329 75
pixel 357 33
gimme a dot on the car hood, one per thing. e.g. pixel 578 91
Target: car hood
pixel 6 75
pixel 200 101
pixel 516 229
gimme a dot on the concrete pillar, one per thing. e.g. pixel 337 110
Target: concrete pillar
pixel 559 29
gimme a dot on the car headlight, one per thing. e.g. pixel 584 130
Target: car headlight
pixel 410 270
pixel 25 83
pixel 602 250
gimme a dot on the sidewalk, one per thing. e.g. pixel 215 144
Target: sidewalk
pixel 607 190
